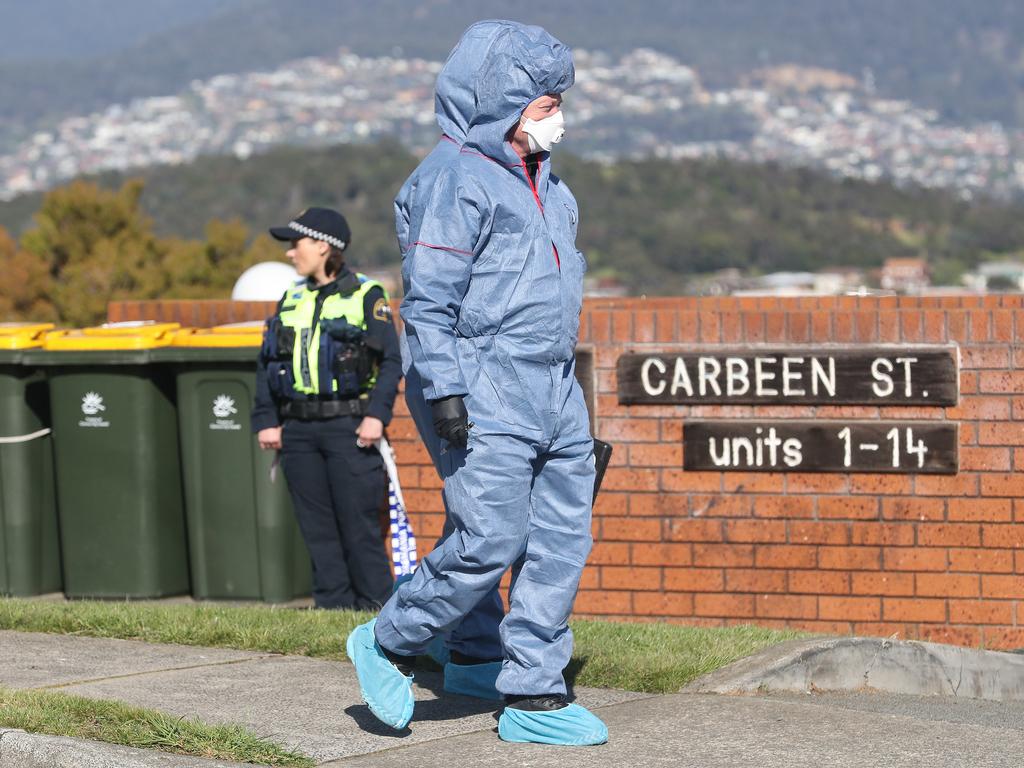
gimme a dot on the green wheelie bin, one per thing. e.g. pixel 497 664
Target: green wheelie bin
pixel 115 436
pixel 244 541
pixel 29 543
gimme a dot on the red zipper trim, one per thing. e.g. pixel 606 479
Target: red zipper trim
pixel 540 205
pixel 440 248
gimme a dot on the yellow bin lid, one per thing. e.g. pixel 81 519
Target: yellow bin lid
pixel 22 335
pixel 115 336
pixel 247 326
pixel 132 328
pixel 242 335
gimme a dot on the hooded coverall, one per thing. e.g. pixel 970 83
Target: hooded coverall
pixel 477 636
pixel 494 291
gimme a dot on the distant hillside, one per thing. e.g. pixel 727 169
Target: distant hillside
pixel 652 223
pixel 55 30
pixel 962 57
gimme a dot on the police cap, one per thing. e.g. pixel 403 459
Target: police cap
pixel 319 224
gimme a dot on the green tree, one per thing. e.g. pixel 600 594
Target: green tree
pixel 91 246
pixel 1002 284
pixel 25 290
pixel 207 270
pixel 97 247
pixel 948 272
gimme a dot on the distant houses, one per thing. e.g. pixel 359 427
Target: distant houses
pixel 826 282
pixel 996 276
pixel 897 276
pixel 908 276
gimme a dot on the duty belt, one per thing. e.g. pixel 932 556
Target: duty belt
pixel 310 410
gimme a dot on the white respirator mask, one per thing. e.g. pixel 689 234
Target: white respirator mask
pixel 544 134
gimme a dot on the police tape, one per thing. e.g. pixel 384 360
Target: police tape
pixel 25 438
pixel 403 541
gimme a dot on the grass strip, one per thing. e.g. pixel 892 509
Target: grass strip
pixel 315 633
pixel 60 714
pixel 654 658
pixel 661 658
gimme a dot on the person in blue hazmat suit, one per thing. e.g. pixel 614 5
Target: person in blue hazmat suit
pixel 492 317
pixel 472 657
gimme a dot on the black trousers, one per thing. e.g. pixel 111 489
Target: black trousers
pixel 337 490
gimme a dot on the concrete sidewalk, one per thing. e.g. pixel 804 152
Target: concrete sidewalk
pixel 305 704
pixel 314 706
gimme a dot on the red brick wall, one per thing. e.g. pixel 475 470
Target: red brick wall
pixel 190 313
pixel 933 557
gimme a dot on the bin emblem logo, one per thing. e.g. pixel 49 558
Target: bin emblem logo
pixel 223 409
pixel 92 406
pixel 224 406
pixel 92 403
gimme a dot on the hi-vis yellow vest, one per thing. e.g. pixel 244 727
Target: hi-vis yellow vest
pixel 311 374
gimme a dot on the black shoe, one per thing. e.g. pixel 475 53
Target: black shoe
pixel 548 702
pixel 405 664
pixel 467 661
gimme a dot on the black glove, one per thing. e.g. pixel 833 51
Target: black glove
pixel 451 421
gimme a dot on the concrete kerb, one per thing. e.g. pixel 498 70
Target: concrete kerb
pixel 865 664
pixel 19 749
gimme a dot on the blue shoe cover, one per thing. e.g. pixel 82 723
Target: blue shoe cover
pixel 385 689
pixel 571 726
pixel 438 651
pixel 473 679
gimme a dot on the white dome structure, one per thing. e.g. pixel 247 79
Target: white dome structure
pixel 264 282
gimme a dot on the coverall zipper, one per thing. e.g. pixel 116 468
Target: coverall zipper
pixel 540 205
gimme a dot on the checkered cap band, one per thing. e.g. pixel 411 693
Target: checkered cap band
pixel 310 232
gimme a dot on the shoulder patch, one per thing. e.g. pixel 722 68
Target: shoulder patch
pixel 382 310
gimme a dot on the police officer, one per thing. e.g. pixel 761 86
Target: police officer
pixel 327 377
